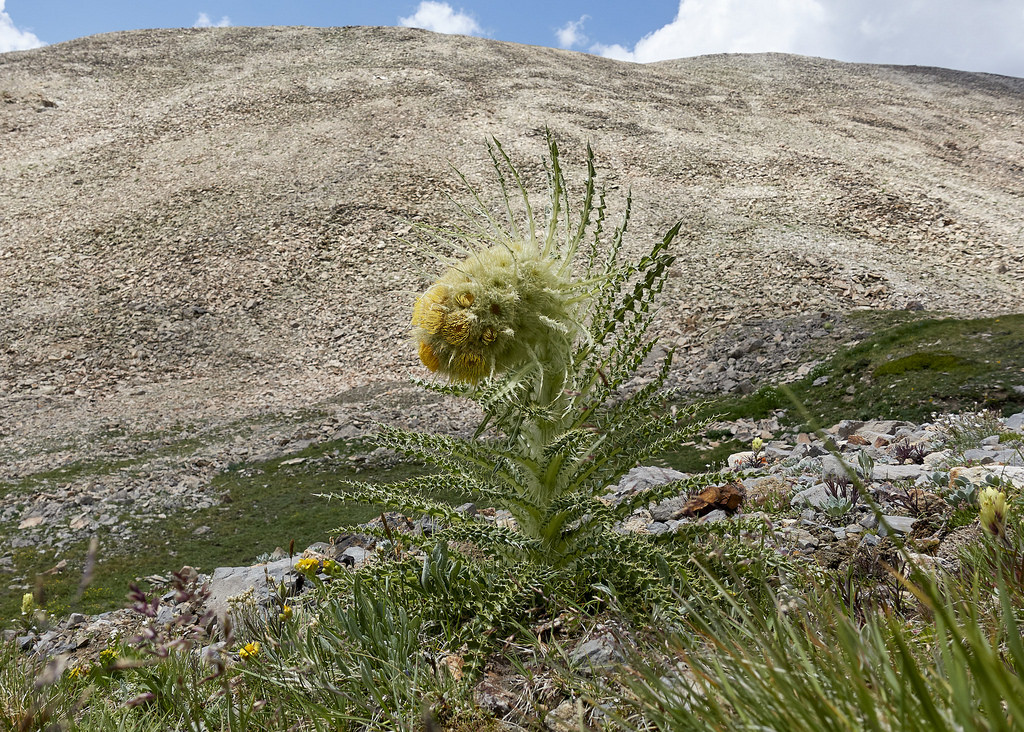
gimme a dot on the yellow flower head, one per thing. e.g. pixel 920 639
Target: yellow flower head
pixel 108 656
pixel 993 512
pixel 498 309
pixel 28 603
pixel 249 650
pixel 307 565
pixel 757 444
pixel 285 614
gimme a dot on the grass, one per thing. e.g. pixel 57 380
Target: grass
pixel 264 505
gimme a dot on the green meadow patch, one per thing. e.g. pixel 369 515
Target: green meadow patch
pixel 906 371
pixel 264 505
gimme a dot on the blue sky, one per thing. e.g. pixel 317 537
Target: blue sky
pixel 971 35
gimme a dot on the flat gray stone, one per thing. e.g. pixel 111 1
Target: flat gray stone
pixel 232 581
pixel 846 428
pixel 599 652
pixel 816 496
pixel 883 427
pixel 833 467
pixel 710 518
pixel 898 472
pixel 670 509
pixel 980 456
pixel 1015 422
pixel 358 554
pixel 642 478
pixel 896 524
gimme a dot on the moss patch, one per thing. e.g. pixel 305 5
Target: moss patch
pixel 923 361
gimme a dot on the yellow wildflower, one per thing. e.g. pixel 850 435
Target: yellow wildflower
pixel 78 673
pixel 285 614
pixel 249 650
pixel 307 565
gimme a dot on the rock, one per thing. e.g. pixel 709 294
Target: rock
pixel 494 694
pixel 846 428
pixel 669 509
pixel 977 474
pixel 933 460
pixel 882 472
pixel 565 717
pixel 716 515
pixel 229 582
pixel 896 524
pixel 600 652
pixel 642 478
pixel 979 456
pixel 882 427
pixel 869 522
pixel 1015 422
pixel 834 468
pixel 805 450
pixel 358 554
pixel 816 496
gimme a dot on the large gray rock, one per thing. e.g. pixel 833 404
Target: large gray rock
pixel 882 427
pixel 669 509
pixel 835 468
pixel 228 582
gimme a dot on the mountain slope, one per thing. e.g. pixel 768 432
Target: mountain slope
pixel 203 224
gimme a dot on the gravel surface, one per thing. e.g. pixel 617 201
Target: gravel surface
pixel 201 230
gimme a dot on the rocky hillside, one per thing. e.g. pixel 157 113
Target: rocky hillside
pixel 201 226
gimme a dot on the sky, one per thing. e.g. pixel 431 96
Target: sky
pixel 969 35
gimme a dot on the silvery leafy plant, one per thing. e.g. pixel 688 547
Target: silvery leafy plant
pixel 544 326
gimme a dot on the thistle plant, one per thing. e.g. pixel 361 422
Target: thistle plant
pixel 544 326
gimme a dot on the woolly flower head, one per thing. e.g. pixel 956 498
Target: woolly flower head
pixel 500 308
pixel 993 512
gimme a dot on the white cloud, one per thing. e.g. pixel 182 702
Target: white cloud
pixel 973 35
pixel 441 18
pixel 12 38
pixel 728 26
pixel 571 34
pixel 203 21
